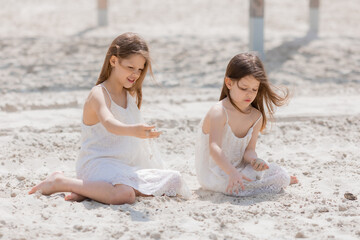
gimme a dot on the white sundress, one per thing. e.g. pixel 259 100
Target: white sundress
pixel 126 160
pixel 212 177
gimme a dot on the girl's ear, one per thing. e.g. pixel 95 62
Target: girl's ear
pixel 228 82
pixel 113 60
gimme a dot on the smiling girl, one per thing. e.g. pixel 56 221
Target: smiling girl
pixel 117 160
pixel 225 151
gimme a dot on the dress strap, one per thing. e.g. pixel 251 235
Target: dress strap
pixel 227 118
pixel 106 91
pixel 257 120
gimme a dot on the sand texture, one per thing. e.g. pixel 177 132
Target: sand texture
pixel 51 55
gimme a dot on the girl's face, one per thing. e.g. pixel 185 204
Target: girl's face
pixel 128 70
pixel 243 92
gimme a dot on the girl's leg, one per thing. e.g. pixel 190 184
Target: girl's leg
pixel 98 191
pixel 79 198
pixel 139 194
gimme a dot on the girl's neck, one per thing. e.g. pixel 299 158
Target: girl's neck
pixel 113 86
pixel 244 109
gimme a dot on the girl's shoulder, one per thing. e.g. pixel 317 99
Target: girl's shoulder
pixel 217 112
pixel 255 115
pixel 217 108
pixel 215 118
pixel 96 92
pixel 97 95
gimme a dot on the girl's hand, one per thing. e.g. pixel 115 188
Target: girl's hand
pixel 236 179
pixel 145 131
pixel 259 165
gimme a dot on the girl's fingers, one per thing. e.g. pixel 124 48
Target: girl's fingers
pixel 264 167
pixel 154 134
pixel 246 178
pixel 149 127
pixel 228 188
pixel 242 185
pixel 253 163
pixel 260 168
pixel 259 164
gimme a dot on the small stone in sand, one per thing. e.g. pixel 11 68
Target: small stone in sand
pixel 342 208
pixel 212 236
pixel 350 196
pixel 300 235
pixel 155 235
pixel 20 178
pixel 323 209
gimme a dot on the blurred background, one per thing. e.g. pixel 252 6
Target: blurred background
pixel 58 45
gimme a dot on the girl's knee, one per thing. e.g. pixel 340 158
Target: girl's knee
pixel 131 196
pixel 122 194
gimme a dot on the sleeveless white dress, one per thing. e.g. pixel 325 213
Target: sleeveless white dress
pixel 126 160
pixel 212 177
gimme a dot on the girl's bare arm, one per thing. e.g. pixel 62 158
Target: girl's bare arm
pixel 217 120
pixel 100 102
pixel 250 155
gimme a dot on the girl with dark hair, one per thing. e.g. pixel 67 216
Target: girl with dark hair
pixel 225 151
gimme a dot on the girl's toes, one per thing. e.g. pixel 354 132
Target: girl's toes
pixel 33 190
pixel 71 197
pixel 74 197
pixel 68 197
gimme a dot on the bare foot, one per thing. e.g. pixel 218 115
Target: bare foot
pixel 74 197
pixel 139 194
pixel 293 180
pixel 50 185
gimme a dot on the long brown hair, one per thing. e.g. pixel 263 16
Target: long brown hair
pixel 122 47
pixel 245 64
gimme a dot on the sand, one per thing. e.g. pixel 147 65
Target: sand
pixel 52 52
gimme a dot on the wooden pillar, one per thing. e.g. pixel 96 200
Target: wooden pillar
pixel 102 12
pixel 314 17
pixel 256 27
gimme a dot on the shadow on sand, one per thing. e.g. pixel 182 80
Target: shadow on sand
pixel 137 216
pixel 218 198
pixel 86 30
pixel 277 56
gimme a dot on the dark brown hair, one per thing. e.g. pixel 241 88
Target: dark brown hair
pixel 122 47
pixel 245 64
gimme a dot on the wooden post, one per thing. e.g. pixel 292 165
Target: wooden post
pixel 102 12
pixel 314 17
pixel 256 27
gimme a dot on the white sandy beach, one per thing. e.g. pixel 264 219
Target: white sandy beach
pixel 51 55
